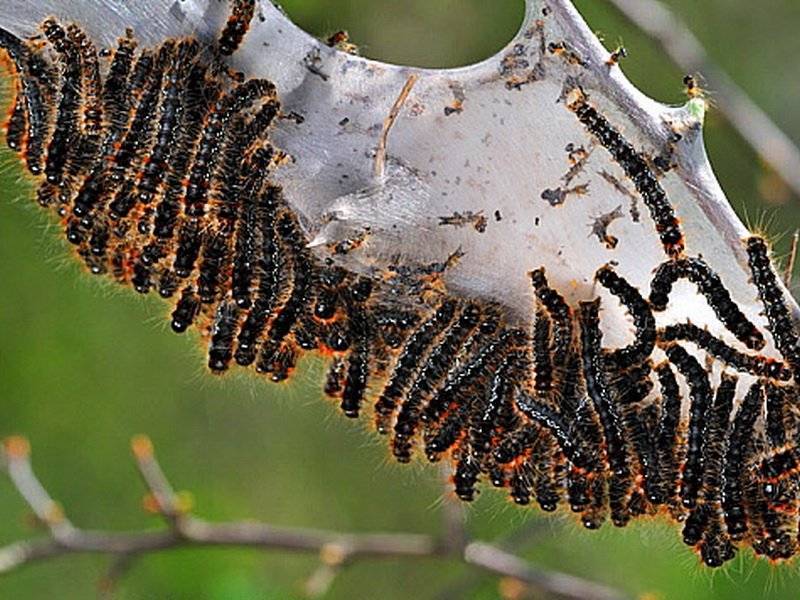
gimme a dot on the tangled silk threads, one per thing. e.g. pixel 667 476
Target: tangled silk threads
pixel 158 162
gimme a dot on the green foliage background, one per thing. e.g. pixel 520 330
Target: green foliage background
pixel 83 367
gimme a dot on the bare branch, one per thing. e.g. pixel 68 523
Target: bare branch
pixel 336 550
pixel 495 560
pixel 49 513
pixel 517 539
pixel 686 51
pixel 163 498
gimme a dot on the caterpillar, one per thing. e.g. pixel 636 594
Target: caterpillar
pixel 162 166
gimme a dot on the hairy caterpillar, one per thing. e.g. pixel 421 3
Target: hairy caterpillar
pixel 191 210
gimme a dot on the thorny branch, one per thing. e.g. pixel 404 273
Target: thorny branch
pixel 750 121
pixel 335 549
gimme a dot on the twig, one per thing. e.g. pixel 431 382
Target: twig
pixel 116 572
pixel 165 500
pixel 335 549
pixel 454 532
pixel 516 540
pixel 321 580
pixel 388 123
pixel 47 510
pixel 789 270
pixel 686 51
pixel 495 560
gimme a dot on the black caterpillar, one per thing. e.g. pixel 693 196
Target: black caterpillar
pixel 158 162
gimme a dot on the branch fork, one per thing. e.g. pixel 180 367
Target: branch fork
pixel 335 549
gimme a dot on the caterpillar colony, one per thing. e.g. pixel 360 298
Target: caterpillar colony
pixel 162 165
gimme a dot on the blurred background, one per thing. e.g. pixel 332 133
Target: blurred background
pixel 83 367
